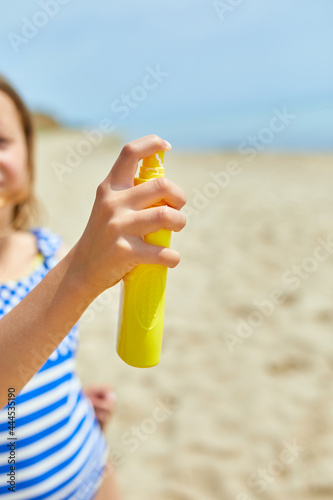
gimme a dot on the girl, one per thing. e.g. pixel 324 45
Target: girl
pixel 56 440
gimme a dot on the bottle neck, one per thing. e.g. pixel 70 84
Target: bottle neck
pixel 150 172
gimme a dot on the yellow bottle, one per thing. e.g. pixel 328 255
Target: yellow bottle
pixel 141 316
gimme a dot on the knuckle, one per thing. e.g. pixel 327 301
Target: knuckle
pixel 129 150
pixel 113 227
pixel 101 190
pixel 155 140
pixel 163 214
pixel 181 197
pixel 182 219
pixel 175 259
pixel 163 184
pixel 104 206
pixel 107 205
pixel 124 248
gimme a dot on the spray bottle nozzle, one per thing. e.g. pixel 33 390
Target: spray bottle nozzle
pixel 152 166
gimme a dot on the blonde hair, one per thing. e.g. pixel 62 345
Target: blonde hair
pixel 28 211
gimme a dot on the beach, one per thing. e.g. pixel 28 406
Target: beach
pixel 240 406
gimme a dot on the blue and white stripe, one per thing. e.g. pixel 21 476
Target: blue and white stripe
pixel 61 452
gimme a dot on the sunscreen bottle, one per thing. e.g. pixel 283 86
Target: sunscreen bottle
pixel 141 315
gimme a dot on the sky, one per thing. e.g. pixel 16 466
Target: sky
pixel 203 74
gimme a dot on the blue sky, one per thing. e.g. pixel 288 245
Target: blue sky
pixel 226 73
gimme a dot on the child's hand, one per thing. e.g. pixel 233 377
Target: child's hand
pixel 113 241
pixel 103 399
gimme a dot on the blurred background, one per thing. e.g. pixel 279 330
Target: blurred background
pixel 244 93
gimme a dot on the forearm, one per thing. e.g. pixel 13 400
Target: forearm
pixel 111 246
pixel 31 331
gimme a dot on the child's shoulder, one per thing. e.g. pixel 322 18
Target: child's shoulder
pixel 54 240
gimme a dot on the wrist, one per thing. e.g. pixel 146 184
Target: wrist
pixel 79 276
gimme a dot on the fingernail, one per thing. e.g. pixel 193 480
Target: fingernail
pixel 168 145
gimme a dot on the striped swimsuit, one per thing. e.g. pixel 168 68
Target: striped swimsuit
pixel 60 450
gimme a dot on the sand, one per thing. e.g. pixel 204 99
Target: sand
pixel 241 405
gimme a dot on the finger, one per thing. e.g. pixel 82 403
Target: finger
pixel 97 395
pixel 123 171
pixel 97 391
pixel 149 220
pixel 98 388
pixel 154 191
pixel 103 404
pixel 154 254
pixel 103 417
pixel 103 391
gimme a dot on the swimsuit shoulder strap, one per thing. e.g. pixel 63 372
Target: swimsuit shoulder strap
pixel 48 243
